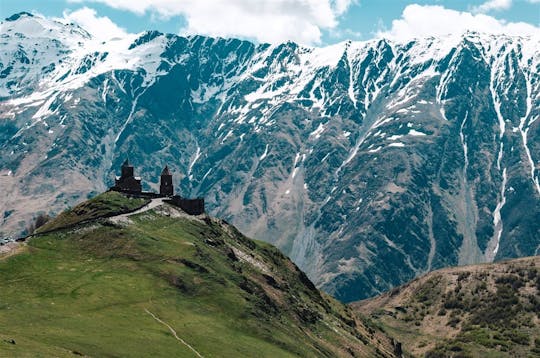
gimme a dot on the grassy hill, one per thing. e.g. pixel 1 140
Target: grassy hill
pixel 161 283
pixel 107 204
pixel 490 310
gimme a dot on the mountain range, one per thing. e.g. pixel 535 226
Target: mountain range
pixel 367 163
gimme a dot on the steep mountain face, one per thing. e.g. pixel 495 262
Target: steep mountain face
pixel 490 310
pixel 157 282
pixel 368 163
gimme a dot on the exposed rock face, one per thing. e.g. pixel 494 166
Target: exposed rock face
pixel 368 163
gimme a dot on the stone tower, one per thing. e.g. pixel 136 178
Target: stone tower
pixel 166 186
pixel 127 169
pixel 127 182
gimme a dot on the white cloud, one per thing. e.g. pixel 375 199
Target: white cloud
pixel 341 6
pixel 490 5
pixel 101 28
pixel 263 20
pixel 422 21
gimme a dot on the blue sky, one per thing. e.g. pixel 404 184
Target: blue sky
pixel 315 22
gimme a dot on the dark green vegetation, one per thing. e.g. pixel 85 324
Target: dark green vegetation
pixel 104 205
pixel 121 287
pixel 476 311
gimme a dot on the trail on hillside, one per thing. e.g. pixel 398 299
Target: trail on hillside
pixel 161 206
pixel 125 217
pixel 9 249
pixel 173 332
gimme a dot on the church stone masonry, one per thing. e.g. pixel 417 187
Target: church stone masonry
pixel 166 186
pixel 128 183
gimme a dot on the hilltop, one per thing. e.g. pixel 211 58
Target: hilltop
pixel 116 276
pixel 490 310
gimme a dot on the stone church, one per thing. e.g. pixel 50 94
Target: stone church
pixel 128 183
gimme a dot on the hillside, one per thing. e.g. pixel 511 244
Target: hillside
pixel 105 205
pixel 158 282
pixel 490 310
pixel 367 163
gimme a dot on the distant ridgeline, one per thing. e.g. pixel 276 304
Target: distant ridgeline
pixel 129 184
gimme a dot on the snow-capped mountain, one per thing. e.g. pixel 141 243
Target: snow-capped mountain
pixel 368 163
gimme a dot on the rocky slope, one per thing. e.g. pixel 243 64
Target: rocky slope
pixel 161 283
pixel 368 163
pixel 490 310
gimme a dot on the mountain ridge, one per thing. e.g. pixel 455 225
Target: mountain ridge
pixel 356 160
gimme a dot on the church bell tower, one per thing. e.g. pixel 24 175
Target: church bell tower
pixel 166 186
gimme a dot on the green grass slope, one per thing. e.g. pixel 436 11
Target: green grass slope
pixel 107 204
pixel 490 310
pixel 162 284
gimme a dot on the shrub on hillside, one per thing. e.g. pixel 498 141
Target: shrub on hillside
pixel 38 222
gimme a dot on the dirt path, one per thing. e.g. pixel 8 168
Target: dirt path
pixel 174 333
pixel 124 218
pixel 161 208
pixel 10 249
